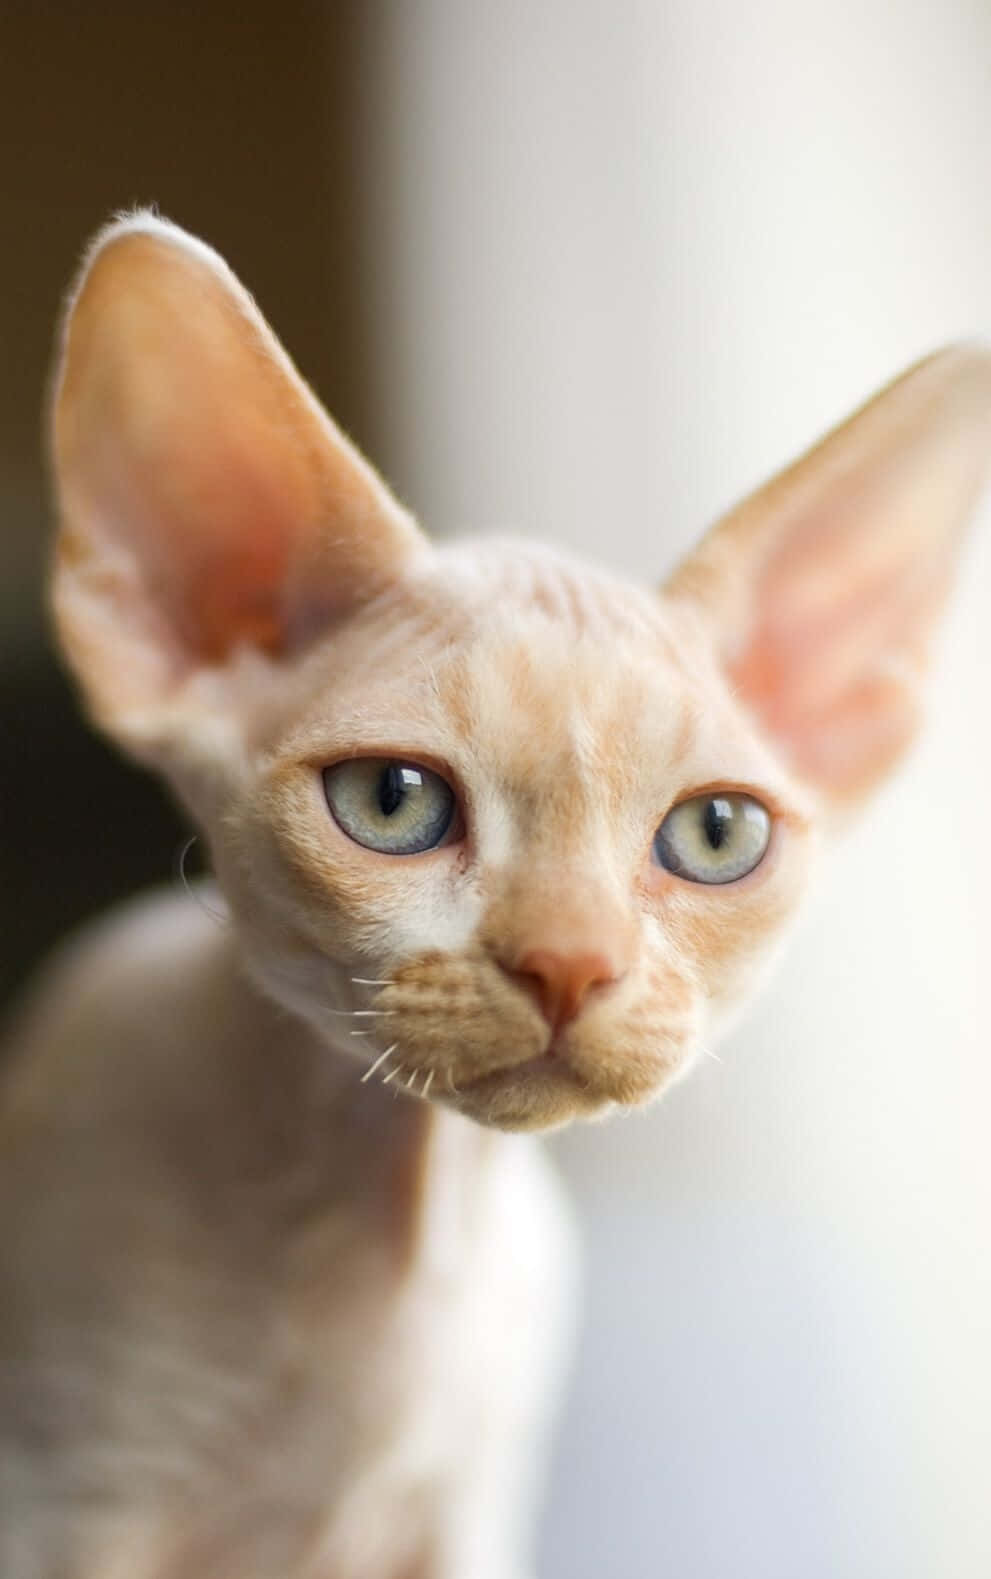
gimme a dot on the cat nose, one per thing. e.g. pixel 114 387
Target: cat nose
pixel 561 981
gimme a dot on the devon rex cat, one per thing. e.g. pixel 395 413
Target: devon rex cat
pixel 494 830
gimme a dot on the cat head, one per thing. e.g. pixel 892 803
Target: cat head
pixel 510 832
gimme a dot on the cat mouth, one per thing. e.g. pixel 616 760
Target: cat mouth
pixel 539 1093
pixel 550 1064
pixel 563 1082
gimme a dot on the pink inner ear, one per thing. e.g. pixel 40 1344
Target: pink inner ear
pixel 840 623
pixel 822 589
pixel 207 500
pixel 213 536
pixel 187 444
pixel 848 751
pixel 845 743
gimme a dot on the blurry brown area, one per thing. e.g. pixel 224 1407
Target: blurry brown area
pixel 242 123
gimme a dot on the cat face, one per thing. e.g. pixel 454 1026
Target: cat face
pixel 512 834
pixel 538 961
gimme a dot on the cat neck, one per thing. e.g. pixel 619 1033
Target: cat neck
pixel 415 1173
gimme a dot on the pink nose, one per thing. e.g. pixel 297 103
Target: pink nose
pixel 561 982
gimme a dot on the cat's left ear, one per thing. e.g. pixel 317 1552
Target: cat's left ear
pixel 822 590
pixel 208 505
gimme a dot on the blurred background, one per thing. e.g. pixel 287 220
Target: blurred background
pixel 591 271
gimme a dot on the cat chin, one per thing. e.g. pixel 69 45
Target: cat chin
pixel 537 1100
pixel 548 1092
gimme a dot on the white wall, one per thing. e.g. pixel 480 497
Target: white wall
pixel 625 259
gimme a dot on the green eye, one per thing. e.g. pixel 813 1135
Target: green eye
pixel 395 807
pixel 714 838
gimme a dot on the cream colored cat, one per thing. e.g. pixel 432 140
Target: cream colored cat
pixel 495 831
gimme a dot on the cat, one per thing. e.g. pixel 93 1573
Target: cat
pixel 501 840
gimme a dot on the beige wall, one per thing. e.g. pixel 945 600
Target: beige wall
pixel 634 256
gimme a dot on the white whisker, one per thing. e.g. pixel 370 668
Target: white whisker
pixel 378 1062
pixel 392 1074
pixel 369 1014
pixel 427 1082
pixel 366 981
pixel 710 1054
pixel 361 1033
pixel 194 893
pixel 409 1083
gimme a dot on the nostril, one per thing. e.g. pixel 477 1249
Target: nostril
pixel 561 982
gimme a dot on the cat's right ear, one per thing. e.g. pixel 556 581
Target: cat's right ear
pixel 206 501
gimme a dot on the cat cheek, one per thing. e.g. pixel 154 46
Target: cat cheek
pixel 729 944
pixel 401 921
pixel 632 1069
pixel 729 933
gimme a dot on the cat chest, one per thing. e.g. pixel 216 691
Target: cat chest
pixel 431 1386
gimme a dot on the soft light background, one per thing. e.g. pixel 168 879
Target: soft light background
pixel 639 255
pixel 591 271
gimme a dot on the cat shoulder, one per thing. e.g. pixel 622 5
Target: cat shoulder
pixel 136 975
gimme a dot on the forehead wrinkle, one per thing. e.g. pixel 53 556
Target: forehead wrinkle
pixel 539 725
pixel 509 575
pixel 516 654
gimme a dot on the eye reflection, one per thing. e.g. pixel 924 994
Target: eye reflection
pixel 713 838
pixel 384 804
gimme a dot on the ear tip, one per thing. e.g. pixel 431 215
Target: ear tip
pixel 960 365
pixel 133 253
pixel 142 220
pixel 971 349
pixel 141 232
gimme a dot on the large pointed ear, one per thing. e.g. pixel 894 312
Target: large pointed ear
pixel 822 590
pixel 206 500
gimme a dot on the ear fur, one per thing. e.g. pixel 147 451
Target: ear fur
pixel 206 501
pixel 822 589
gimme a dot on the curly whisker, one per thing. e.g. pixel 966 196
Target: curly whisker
pixel 195 896
pixel 380 1060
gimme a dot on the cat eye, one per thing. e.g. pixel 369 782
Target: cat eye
pixel 398 808
pixel 714 838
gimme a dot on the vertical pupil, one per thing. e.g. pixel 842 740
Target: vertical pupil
pixel 392 790
pixel 716 821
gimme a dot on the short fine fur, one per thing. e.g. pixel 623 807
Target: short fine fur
pixel 283 1295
